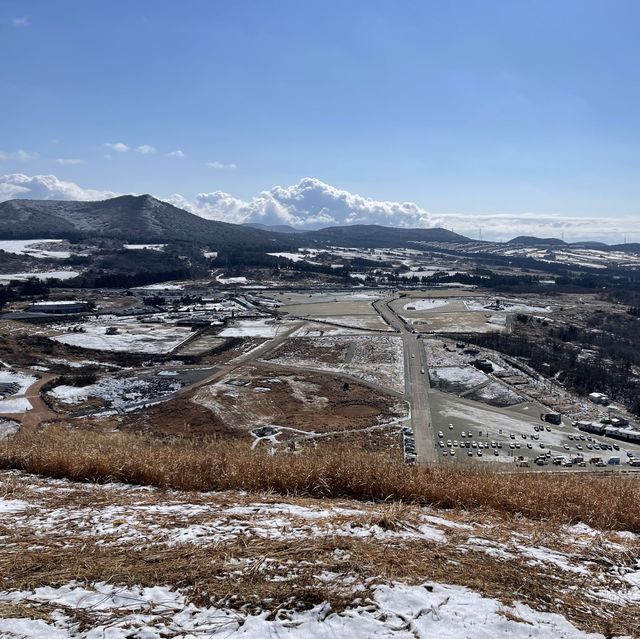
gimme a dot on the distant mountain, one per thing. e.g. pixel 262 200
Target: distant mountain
pixel 275 228
pixel 136 218
pixel 529 240
pixel 374 236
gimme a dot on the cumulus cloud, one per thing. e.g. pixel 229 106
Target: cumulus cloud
pixel 220 165
pixel 20 154
pixel 308 204
pixel 119 147
pixel 21 22
pixel 178 153
pixel 46 187
pixel 146 149
pixel 71 161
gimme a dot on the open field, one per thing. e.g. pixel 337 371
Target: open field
pixel 290 403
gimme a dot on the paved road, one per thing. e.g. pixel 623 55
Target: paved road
pixel 416 384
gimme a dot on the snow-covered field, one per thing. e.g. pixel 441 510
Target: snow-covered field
pixel 456 378
pixel 563 565
pixel 32 248
pixel 44 275
pixel 117 392
pixel 265 327
pixel 131 335
pixel 147 247
pixel 231 280
pixel 378 359
pixel 509 306
pixel 425 305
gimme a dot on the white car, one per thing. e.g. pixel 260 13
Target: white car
pixel 440 433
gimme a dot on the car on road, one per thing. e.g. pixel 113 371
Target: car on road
pixel 579 446
pixel 440 433
pixel 422 371
pixel 566 446
pixel 512 436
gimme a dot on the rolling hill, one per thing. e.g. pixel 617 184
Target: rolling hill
pixel 133 218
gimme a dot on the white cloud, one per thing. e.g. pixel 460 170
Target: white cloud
pixel 46 187
pixel 220 165
pixel 69 161
pixel 120 147
pixel 308 204
pixel 146 149
pixel 21 22
pixel 20 154
pixel 176 154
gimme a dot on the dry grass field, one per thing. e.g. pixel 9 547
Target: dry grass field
pixel 328 472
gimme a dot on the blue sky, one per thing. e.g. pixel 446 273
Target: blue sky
pixel 466 108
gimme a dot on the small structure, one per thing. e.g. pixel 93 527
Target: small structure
pixel 65 307
pixel 599 398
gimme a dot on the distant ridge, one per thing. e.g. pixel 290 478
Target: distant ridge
pixel 529 240
pixel 274 228
pixel 374 236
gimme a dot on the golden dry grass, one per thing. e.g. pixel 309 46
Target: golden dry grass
pixel 330 471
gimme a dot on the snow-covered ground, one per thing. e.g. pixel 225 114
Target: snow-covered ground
pixel 563 572
pixel 425 305
pixel 44 275
pixel 15 406
pixel 377 358
pixel 31 248
pixel 142 247
pixel 395 610
pixel 231 280
pixel 462 378
pixel 20 379
pixel 117 392
pixel 265 327
pixel 131 335
pixel 509 306
pixel 16 403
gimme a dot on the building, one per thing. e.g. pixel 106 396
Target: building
pixel 65 307
pixel 599 398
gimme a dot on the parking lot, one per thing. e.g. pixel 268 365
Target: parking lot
pixel 465 430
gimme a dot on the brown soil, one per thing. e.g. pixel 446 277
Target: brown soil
pixel 179 416
pixel 312 402
pixel 300 348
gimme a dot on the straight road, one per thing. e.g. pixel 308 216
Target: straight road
pixel 416 383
